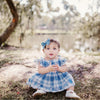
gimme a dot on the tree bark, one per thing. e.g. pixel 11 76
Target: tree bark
pixel 13 23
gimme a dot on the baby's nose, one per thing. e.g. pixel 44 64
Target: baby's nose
pixel 51 49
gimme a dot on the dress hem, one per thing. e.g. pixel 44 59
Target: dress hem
pixel 51 91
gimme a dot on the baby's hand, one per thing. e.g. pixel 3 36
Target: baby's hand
pixel 53 68
pixel 62 68
pixel 56 67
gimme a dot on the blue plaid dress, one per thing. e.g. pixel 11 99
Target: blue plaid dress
pixel 52 81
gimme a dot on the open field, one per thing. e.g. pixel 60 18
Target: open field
pixel 17 65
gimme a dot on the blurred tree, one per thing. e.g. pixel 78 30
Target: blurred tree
pixel 26 12
pixel 12 25
pixel 49 5
pixel 62 21
pixel 88 28
pixel 98 5
pixel 71 13
pixel 95 5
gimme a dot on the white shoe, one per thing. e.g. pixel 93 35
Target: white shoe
pixel 71 94
pixel 38 93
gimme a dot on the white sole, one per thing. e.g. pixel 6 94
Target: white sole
pixel 38 95
pixel 73 98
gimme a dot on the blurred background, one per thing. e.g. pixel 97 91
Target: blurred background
pixel 75 23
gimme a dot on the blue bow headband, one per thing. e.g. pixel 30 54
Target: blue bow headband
pixel 47 42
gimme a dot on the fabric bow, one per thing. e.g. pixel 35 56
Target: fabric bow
pixel 47 42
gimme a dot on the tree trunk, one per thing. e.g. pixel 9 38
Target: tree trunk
pixel 13 23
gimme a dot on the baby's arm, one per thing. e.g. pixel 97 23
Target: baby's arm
pixel 44 70
pixel 63 68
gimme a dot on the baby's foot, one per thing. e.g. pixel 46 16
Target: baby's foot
pixel 71 94
pixel 38 93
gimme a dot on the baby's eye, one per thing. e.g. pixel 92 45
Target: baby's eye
pixel 48 48
pixel 54 48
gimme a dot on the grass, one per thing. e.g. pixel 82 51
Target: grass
pixel 19 91
pixel 93 53
pixel 4 61
pixel 92 62
pixel 89 91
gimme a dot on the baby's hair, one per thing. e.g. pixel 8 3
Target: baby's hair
pixel 52 40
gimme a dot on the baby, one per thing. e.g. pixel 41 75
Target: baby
pixel 52 73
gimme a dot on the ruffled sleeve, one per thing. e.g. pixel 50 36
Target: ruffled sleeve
pixel 42 62
pixel 61 61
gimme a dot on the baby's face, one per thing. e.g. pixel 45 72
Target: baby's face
pixel 51 50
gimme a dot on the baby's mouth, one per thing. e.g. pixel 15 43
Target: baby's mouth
pixel 51 54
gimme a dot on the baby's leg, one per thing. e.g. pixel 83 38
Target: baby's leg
pixel 71 88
